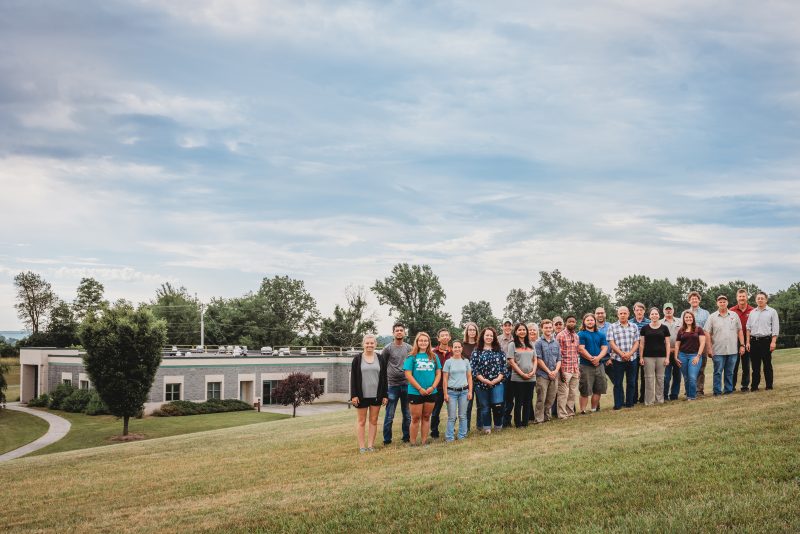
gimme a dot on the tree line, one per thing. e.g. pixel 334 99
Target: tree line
pixel 281 311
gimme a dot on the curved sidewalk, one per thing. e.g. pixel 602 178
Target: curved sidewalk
pixel 58 429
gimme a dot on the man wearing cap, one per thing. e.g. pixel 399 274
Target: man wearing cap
pixel 742 309
pixel 640 321
pixel 508 402
pixel 700 318
pixel 672 373
pixel 727 342
pixel 762 338
pixel 558 324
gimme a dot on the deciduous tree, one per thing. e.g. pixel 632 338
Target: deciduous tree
pixel 123 352
pixel 520 306
pixel 479 313
pixel 297 389
pixel 89 299
pixel 35 299
pixel 348 324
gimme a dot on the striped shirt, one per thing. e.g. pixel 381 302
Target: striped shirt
pixel 568 343
pixel 624 336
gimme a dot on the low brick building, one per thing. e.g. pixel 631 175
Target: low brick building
pixel 195 378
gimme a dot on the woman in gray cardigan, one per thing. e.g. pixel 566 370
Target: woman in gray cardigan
pixel 368 391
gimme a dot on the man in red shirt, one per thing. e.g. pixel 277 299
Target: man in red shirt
pixel 742 309
pixel 444 352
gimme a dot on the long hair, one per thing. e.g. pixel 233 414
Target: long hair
pixel 684 326
pixel 495 342
pixel 466 327
pixel 525 341
pixel 415 347
pixel 583 323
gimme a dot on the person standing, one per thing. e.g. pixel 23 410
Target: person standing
pixel 602 327
pixel 548 357
pixel 654 348
pixel 558 325
pixel 423 373
pixel 533 336
pixel 444 353
pixel 742 309
pixel 689 345
pixel 672 373
pixel 522 361
pixel 727 342
pixel 700 316
pixel 762 338
pixel 368 391
pixel 508 403
pixel 488 368
pixel 593 349
pixel 568 344
pixel 457 386
pixel 623 338
pixel 469 343
pixel 395 354
pixel 640 320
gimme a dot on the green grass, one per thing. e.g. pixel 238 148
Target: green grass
pixel 12 379
pixel 18 429
pixel 718 464
pixel 96 430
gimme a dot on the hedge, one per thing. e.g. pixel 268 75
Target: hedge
pixel 179 408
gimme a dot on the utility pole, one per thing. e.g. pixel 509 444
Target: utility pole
pixel 202 327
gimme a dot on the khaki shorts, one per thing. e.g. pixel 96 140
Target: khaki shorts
pixel 593 380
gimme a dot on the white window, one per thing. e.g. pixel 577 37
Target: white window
pixel 84 384
pixel 214 390
pixel 173 392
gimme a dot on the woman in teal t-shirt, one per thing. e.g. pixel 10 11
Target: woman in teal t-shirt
pixel 423 372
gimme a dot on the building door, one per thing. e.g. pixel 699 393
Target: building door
pixel 266 392
pixel 246 391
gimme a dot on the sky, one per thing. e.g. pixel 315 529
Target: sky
pixel 212 143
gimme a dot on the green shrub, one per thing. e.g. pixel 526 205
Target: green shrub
pixel 57 397
pixel 42 401
pixel 77 401
pixel 95 406
pixel 178 408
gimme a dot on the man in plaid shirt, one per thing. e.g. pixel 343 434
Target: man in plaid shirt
pixel 568 342
pixel 623 338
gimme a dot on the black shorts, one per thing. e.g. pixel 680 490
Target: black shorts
pixel 421 399
pixel 368 401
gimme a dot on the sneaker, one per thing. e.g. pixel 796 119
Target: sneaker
pixel 370 449
pixel 385 443
pixel 583 412
pixel 362 450
pixel 487 431
pixel 745 390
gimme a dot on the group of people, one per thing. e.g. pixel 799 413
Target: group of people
pixel 565 368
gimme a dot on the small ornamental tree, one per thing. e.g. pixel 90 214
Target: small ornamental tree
pixel 297 389
pixel 123 352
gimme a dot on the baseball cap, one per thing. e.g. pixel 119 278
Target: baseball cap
pixel 668 305
pixel 722 297
pixel 507 320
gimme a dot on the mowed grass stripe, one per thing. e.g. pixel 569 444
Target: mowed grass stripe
pixel 716 464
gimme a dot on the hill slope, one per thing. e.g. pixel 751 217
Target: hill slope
pixel 719 463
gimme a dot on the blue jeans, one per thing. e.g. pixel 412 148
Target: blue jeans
pixel 456 407
pixel 672 373
pixel 627 372
pixel 491 403
pixel 690 372
pixel 397 393
pixel 724 362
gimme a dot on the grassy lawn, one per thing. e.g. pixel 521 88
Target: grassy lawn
pixel 18 429
pixel 94 431
pixel 12 379
pixel 718 464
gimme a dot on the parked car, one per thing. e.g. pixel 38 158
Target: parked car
pixel 284 351
pixel 266 351
pixel 237 351
pixel 303 351
pixel 244 350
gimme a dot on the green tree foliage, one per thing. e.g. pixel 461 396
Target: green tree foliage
pixel 123 352
pixel 89 300
pixel 557 295
pixel 3 382
pixel 656 292
pixel 181 313
pixel 519 306
pixel 35 299
pixel 8 349
pixel 479 313
pixel 729 290
pixel 415 297
pixel 290 310
pixel 62 330
pixel 787 304
pixel 347 325
pixel 297 389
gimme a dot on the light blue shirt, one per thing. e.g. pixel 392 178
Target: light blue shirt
pixel 763 323
pixel 457 369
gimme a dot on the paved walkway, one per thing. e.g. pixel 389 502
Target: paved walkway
pixel 58 429
pixel 306 409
